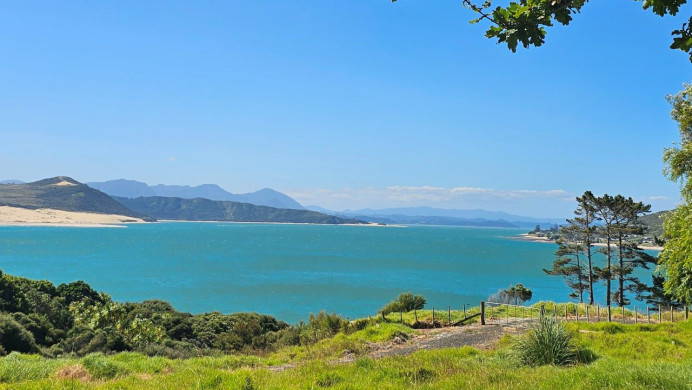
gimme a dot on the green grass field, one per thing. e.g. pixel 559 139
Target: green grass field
pixel 628 356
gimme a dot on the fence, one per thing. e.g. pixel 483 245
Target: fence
pixel 502 313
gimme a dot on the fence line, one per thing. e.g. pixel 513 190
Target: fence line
pixel 504 313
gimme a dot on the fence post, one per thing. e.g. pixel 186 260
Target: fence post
pixel 610 318
pixel 587 313
pixel 671 314
pixel 635 314
pixel 401 317
pixel 542 311
pixel 449 315
pixel 648 318
pixel 482 313
pixel 623 314
pixel 687 312
pixel 433 317
pixel 576 311
pixel 464 311
pixel 659 314
pixel 598 313
pixel 415 314
pixel 555 310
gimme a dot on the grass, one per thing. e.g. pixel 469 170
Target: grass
pixel 628 356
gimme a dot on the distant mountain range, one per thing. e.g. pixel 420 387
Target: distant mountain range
pixel 67 194
pixel 438 216
pixel 63 193
pixel 199 209
pixel 134 189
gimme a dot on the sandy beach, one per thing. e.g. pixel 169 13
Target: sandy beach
pixel 16 216
pixel 532 238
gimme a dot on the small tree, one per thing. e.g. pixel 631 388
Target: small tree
pixel 514 295
pixel 405 302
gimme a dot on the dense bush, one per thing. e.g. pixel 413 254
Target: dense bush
pixel 73 318
pixel 14 337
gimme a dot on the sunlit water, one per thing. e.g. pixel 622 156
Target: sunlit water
pixel 287 271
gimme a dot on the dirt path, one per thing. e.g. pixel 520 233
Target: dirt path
pixel 476 336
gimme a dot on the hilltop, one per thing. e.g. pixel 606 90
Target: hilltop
pixel 65 194
pixel 200 209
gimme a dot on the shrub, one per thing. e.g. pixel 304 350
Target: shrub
pixel 14 337
pixel 405 302
pixel 548 342
pixel 515 295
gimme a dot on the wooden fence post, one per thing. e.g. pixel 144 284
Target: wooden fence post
pixel 433 317
pixel 659 314
pixel 635 314
pixel 415 314
pixel 482 313
pixel 401 317
pixel 610 318
pixel 464 311
pixel 449 315
pixel 623 314
pixel 687 312
pixel 671 314
pixel 587 313
pixel 648 317
pixel 576 311
pixel 555 310
pixel 598 313
pixel 542 312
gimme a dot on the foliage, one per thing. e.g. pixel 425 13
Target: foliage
pixel 514 295
pixel 14 337
pixel 548 342
pixel 526 21
pixel 676 259
pixel 35 316
pixel 405 302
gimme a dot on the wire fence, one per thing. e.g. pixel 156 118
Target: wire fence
pixel 503 313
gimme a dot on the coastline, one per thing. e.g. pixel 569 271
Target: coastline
pixel 531 238
pixel 16 216
pixel 372 224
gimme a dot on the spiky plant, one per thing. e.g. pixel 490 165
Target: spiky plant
pixel 547 342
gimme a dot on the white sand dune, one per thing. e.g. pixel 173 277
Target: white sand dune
pixel 20 216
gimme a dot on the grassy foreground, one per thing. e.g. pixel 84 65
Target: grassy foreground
pixel 628 356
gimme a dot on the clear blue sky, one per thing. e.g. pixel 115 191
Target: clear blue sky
pixel 342 104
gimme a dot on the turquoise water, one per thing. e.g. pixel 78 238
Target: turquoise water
pixel 287 271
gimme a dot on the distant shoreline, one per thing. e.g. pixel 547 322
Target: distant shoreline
pixel 531 238
pixel 17 216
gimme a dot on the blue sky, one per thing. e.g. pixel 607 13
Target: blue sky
pixel 353 104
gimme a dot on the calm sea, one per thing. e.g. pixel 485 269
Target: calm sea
pixel 288 271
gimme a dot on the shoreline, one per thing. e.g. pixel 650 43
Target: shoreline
pixel 17 216
pixel 529 238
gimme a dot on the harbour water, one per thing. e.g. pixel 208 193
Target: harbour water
pixel 288 271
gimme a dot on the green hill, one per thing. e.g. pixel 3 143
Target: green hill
pixel 63 193
pixel 654 223
pixel 200 209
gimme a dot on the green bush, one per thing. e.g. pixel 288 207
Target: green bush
pixel 14 337
pixel 547 342
pixel 405 302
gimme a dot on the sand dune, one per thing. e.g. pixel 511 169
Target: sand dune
pixel 20 216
